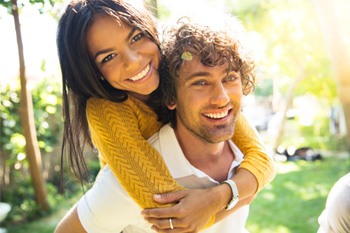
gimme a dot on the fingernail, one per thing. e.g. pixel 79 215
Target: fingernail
pixel 158 196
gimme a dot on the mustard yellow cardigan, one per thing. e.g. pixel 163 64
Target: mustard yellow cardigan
pixel 120 132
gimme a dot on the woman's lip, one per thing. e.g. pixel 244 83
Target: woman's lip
pixel 141 74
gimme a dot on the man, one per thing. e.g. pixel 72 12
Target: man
pixel 335 218
pixel 207 79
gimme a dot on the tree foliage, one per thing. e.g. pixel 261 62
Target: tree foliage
pixel 291 39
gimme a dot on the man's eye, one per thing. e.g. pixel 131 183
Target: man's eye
pixel 137 37
pixel 108 58
pixel 231 78
pixel 199 83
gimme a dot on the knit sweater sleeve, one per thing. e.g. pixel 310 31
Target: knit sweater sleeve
pixel 256 159
pixel 118 130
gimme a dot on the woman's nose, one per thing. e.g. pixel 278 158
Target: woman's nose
pixel 131 58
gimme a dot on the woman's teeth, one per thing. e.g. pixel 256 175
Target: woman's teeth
pixel 141 74
pixel 217 115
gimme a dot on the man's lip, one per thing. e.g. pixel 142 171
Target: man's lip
pixel 217 114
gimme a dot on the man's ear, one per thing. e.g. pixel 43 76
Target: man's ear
pixel 171 106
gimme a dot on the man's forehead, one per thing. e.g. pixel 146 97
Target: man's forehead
pixel 193 66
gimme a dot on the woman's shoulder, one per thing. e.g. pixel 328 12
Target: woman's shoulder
pixel 100 101
pixel 129 105
pixel 99 106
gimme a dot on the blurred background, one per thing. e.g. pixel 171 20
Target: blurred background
pixel 300 106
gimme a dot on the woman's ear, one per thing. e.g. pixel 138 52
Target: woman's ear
pixel 171 106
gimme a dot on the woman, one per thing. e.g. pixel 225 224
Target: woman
pixel 107 82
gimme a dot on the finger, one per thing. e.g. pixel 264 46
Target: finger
pixel 170 197
pixel 175 230
pixel 166 212
pixel 163 223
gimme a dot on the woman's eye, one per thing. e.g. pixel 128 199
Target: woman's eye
pixel 108 58
pixel 137 37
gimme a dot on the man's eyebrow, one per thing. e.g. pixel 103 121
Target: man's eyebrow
pixel 110 49
pixel 206 74
pixel 197 74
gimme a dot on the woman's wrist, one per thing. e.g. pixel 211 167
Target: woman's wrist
pixel 234 192
pixel 246 183
pixel 223 195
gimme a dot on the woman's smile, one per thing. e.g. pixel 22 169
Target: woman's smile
pixel 126 57
pixel 142 74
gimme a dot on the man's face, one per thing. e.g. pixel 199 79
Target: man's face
pixel 208 100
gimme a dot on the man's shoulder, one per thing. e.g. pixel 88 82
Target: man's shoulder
pixel 238 153
pixel 165 131
pixel 153 139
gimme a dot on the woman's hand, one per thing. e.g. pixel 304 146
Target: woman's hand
pixel 193 210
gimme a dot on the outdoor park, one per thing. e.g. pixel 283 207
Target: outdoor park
pixel 300 106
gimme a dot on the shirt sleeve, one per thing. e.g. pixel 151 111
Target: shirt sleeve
pixel 335 218
pixel 118 130
pixel 106 207
pixel 256 160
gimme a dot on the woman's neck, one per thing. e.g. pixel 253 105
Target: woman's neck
pixel 143 98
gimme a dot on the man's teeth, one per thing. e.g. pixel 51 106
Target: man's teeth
pixel 217 115
pixel 141 74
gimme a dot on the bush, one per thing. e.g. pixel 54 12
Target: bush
pixel 317 135
pixel 19 190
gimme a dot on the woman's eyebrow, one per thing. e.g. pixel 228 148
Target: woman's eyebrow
pixel 130 34
pixel 102 52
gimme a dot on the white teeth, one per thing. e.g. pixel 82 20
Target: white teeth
pixel 141 74
pixel 217 115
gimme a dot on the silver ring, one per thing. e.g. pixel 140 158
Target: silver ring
pixel 171 224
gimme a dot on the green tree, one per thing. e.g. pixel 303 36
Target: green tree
pixel 295 58
pixel 26 111
pixel 152 6
pixel 334 37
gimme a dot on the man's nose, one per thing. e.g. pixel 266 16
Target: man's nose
pixel 219 95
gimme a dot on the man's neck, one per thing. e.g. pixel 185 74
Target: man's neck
pixel 214 159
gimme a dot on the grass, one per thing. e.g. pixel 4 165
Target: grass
pixel 290 204
pixel 296 197
pixel 46 224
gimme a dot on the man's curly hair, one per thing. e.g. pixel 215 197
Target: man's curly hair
pixel 188 40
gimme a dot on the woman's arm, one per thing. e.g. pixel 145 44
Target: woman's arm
pixel 70 223
pixel 256 159
pixel 118 130
pixel 196 206
pixel 256 170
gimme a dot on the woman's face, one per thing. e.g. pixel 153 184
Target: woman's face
pixel 125 56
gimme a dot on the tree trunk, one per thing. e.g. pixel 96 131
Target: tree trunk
pixel 339 55
pixel 27 121
pixel 287 105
